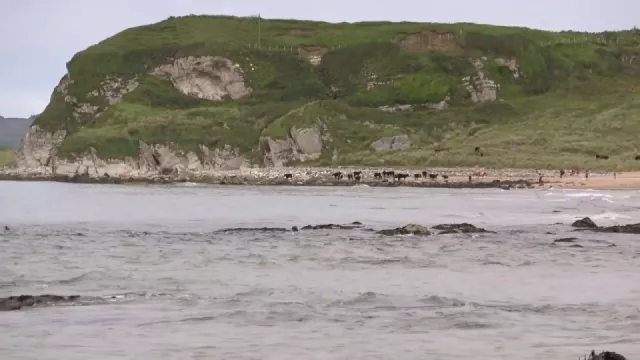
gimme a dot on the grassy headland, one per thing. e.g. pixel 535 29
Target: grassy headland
pixel 577 94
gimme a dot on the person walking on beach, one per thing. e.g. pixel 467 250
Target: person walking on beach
pixel 561 173
pixel 615 175
pixel 586 174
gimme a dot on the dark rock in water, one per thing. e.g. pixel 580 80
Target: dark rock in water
pixel 332 227
pixel 585 223
pixel 294 228
pixel 588 224
pixel 262 229
pixel 606 355
pixel 18 302
pixel 463 228
pixel 6 228
pixel 623 229
pixel 356 223
pixel 576 246
pixel 565 240
pixel 411 229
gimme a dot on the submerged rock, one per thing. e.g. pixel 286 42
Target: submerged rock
pixel 623 229
pixel 262 229
pixel 586 223
pixel 565 240
pixel 353 225
pixel 464 228
pixel 18 302
pixel 410 229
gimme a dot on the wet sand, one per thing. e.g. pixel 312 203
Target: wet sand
pixel 622 181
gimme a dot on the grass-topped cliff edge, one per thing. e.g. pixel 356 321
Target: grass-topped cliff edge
pixel 527 98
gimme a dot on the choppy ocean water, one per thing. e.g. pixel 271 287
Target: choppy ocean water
pixel 177 289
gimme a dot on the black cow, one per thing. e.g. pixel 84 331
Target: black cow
pixel 603 157
pixel 357 178
pixel 445 177
pixel 433 176
pixel 337 175
pixel 424 174
pixel 349 176
pixel 388 173
pixel 400 176
pixel 288 176
pixel 357 173
pixel 417 176
pixel 377 175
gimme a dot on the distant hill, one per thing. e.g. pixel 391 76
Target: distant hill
pixel 12 130
pixel 233 92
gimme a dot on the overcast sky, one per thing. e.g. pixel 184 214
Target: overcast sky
pixel 37 37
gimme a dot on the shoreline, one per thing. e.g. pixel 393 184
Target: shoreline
pixel 456 178
pixel 506 179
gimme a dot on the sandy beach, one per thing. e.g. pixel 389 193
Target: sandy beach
pixel 621 181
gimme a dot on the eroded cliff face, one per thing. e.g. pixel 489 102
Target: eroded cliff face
pixel 38 149
pixel 480 87
pixel 205 77
pixel 155 159
pixel 300 145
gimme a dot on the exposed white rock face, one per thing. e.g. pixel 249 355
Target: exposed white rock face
pixel 205 77
pixel 301 144
pixel 512 64
pixel 155 160
pixel 440 105
pixel 392 143
pixel 38 149
pixel 114 88
pixel 480 87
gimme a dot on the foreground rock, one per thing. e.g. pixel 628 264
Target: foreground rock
pixel 606 355
pixel 410 229
pixel 585 223
pixel 18 302
pixel 464 228
pixel 588 224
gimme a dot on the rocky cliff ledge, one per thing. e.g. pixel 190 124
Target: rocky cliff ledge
pixel 170 99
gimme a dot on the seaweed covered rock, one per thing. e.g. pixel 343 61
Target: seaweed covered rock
pixel 464 228
pixel 606 355
pixel 410 229
pixel 21 301
pixel 585 223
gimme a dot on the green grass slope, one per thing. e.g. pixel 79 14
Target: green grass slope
pixel 578 95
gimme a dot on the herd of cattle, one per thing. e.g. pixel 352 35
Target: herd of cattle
pixel 357 176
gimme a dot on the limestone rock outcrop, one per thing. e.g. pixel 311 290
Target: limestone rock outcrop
pixel 481 88
pixel 392 143
pixel 38 148
pixel 300 144
pixel 205 77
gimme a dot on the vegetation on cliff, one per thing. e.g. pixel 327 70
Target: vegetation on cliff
pixel 6 157
pixel 560 99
